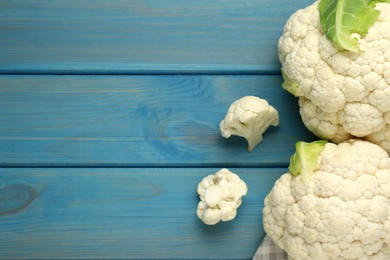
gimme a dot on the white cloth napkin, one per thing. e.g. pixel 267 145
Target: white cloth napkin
pixel 268 250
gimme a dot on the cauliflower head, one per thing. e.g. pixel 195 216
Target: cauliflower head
pixel 249 117
pixel 342 94
pixel 341 213
pixel 220 196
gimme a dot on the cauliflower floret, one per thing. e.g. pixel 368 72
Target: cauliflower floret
pixel 344 210
pixel 342 94
pixel 220 195
pixel 249 117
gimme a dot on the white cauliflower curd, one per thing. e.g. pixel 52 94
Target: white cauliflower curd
pixel 341 76
pixel 333 203
pixel 249 117
pixel 220 196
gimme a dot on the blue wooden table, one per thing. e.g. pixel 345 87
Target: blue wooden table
pixel 109 118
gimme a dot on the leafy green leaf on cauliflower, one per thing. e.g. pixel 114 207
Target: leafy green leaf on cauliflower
pixel 340 19
pixel 305 160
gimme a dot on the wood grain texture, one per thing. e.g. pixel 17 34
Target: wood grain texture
pixel 104 163
pixel 139 121
pixel 126 213
pixel 142 36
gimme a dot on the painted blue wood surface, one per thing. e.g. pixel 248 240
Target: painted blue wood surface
pixel 101 165
pixel 142 36
pixel 138 121
pixel 123 213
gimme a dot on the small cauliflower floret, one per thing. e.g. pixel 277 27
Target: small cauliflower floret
pixel 249 117
pixel 220 195
pixel 342 94
pixel 334 203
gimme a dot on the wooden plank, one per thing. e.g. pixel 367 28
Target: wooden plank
pixel 152 121
pixel 123 213
pixel 142 36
